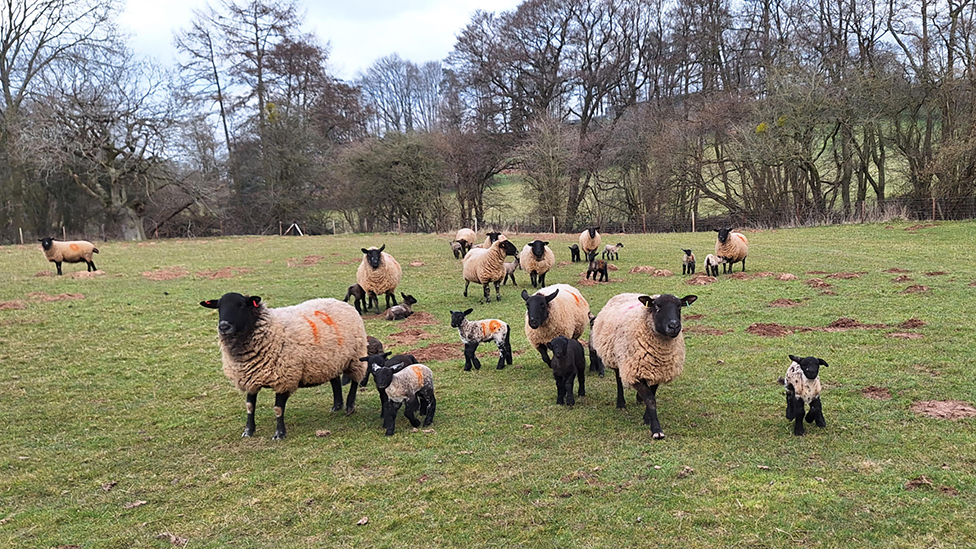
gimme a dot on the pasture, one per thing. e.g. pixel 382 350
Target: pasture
pixel 120 430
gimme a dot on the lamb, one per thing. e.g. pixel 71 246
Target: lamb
pixel 373 346
pixel 731 246
pixel 74 251
pixel 688 262
pixel 574 253
pixel 458 249
pixel 589 240
pixel 596 365
pixel 378 274
pixel 384 359
pixel 536 259
pixel 359 296
pixel 485 266
pixel 712 263
pixel 802 383
pixel 611 252
pixel 596 267
pixel 639 337
pixel 557 310
pixel 403 310
pixel 466 238
pixel 510 269
pixel 289 347
pixel 567 365
pixel 474 332
pixel 413 384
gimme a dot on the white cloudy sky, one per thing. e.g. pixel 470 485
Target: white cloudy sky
pixel 359 31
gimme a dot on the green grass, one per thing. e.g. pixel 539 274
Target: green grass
pixel 125 387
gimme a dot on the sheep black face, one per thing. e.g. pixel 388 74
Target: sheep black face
pixel 509 248
pixel 376 359
pixel 538 248
pixel 723 234
pixel 46 243
pixel 374 256
pixel 408 299
pixel 384 374
pixel 666 312
pixel 493 236
pixel 559 345
pixel 538 307
pixel 810 365
pixel 687 252
pixel 237 313
pixel 592 231
pixel 457 317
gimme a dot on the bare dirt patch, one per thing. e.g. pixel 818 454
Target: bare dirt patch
pixel 87 274
pixel 936 273
pixel 705 330
pixel 646 269
pixel 915 289
pixel 919 226
pixel 817 283
pixel 902 278
pixel 307 261
pixel 225 272
pixel 896 270
pixel 409 337
pixel 842 324
pixel 911 324
pixel 740 276
pixel 562 263
pixel 768 330
pixel 51 273
pixel 612 267
pixel 876 393
pixel 918 482
pixel 786 277
pixel 944 409
pixel 420 318
pixel 586 282
pixel 12 305
pixel 782 302
pixel 972 284
pixel 906 335
pixel 41 296
pixel 438 351
pixel 662 272
pixel 416 263
pixel 166 273
pixel 700 280
pixel 765 274
pixel 846 276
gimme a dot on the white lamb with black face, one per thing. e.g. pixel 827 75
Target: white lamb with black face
pixel 803 387
pixel 474 332
pixel 412 384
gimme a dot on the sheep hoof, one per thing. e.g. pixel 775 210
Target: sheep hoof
pixel 336 408
pixel 247 434
pixel 278 436
pixel 350 411
pixel 389 433
pixel 657 435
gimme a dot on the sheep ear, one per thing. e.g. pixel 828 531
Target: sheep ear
pixel 795 359
pixel 383 247
pixel 210 303
pixel 551 296
pixel 716 230
pixel 525 295
pixel 403 295
pixel 467 312
pixel 387 354
pixel 822 362
pixel 646 300
pixel 364 359
pixel 255 301
pixel 363 249
pixel 546 243
pixel 688 300
pixel 398 367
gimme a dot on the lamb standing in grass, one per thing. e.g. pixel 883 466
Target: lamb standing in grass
pixel 75 251
pixel 403 310
pixel 596 267
pixel 289 347
pixel 510 269
pixel 712 263
pixel 568 364
pixel 553 311
pixel 574 252
pixel 379 273
pixel 612 252
pixel 802 383
pixel 732 247
pixel 639 337
pixel 381 358
pixel 536 259
pixel 485 266
pixel 474 332
pixel 688 263
pixel 413 384
pixel 589 240
pixel 358 296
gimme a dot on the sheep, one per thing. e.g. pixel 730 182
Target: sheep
pixel 688 263
pixel 384 359
pixel 510 269
pixel 373 345
pixel 568 364
pixel 485 266
pixel 589 240
pixel 596 365
pixel 731 246
pixel 712 263
pixel 536 259
pixel 574 253
pixel 639 337
pixel 596 267
pixel 403 310
pixel 74 251
pixel 803 387
pixel 474 332
pixel 378 273
pixel 610 252
pixel 358 296
pixel 492 237
pixel 466 238
pixel 458 249
pixel 289 347
pixel 413 384
pixel 557 310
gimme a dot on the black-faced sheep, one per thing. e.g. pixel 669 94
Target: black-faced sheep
pixel 378 273
pixel 413 384
pixel 358 296
pixel 384 359
pixel 289 347
pixel 731 246
pixel 466 238
pixel 612 252
pixel 510 269
pixel 474 332
pixel 458 249
pixel 639 337
pixel 486 266
pixel 536 259
pixel 802 383
pixel 574 252
pixel 491 238
pixel 688 263
pixel 403 310
pixel 596 267
pixel 589 240
pixel 568 364
pixel 75 251
pixel 553 311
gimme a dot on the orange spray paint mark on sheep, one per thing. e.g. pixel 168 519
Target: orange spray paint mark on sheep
pixel 315 329
pixel 490 327
pixel 328 320
pixel 419 373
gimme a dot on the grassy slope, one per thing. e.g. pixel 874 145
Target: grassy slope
pixel 125 386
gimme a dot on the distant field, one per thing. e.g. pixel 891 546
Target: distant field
pixel 120 430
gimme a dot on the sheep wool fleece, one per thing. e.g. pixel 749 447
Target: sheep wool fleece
pixel 625 340
pixel 804 388
pixel 74 251
pixel 466 235
pixel 530 264
pixel 483 265
pixel 735 248
pixel 569 313
pixel 382 280
pixel 302 345
pixel 410 381
pixel 588 244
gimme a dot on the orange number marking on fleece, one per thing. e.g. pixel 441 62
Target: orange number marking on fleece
pixel 328 320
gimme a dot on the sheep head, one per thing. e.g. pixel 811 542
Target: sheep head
pixel 457 317
pixel 592 231
pixel 666 312
pixel 537 306
pixel 237 313
pixel 810 365
pixel 374 256
pixel 559 346
pixel 723 234
pixel 46 242
pixel 507 245
pixel 538 248
pixel 384 374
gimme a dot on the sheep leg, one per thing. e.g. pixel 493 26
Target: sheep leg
pixel 581 375
pixel 545 354
pixel 596 364
pixel 542 280
pixel 250 402
pixel 469 357
pixel 743 264
pixel 279 410
pixel 790 395
pixel 91 265
pixel 391 295
pixel 487 292
pixel 648 393
pixel 561 390
pixel 336 394
pixel 498 295
pixel 816 413
pixel 501 357
pixel 568 389
pixel 620 391
pixel 383 399
pixel 389 417
pixel 534 278
pixel 58 264
pixel 466 282
pixel 798 429
pixel 431 404
pixel 351 398
pixel 409 411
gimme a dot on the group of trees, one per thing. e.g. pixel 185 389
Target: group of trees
pixel 766 111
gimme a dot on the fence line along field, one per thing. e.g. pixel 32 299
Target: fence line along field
pixel 121 430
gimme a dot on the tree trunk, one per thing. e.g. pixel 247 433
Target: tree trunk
pixel 131 224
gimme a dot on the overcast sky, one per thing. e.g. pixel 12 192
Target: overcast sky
pixel 358 31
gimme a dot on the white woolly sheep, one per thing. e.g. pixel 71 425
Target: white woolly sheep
pixel 485 266
pixel 731 246
pixel 403 310
pixel 712 263
pixel 537 259
pixel 589 240
pixel 289 347
pixel 75 251
pixel 688 262
pixel 474 332
pixel 466 238
pixel 639 337
pixel 510 269
pixel 378 273
pixel 612 252
pixel 413 384
pixel 802 383
pixel 557 310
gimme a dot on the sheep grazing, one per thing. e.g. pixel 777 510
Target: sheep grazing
pixel 474 332
pixel 553 311
pixel 731 246
pixel 639 337
pixel 384 359
pixel 536 259
pixel 289 347
pixel 403 310
pixel 712 263
pixel 596 365
pixel 688 263
pixel 589 240
pixel 612 252
pixel 458 249
pixel 510 269
pixel 75 251
pixel 485 266
pixel 358 295
pixel 466 238
pixel 378 273
pixel 596 267
pixel 803 387
pixel 413 384
pixel 568 364
pixel 574 253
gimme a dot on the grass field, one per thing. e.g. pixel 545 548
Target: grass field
pixel 120 430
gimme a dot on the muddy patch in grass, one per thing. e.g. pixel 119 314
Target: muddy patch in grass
pixel 817 283
pixel 166 273
pixel 41 296
pixel 740 276
pixel 936 273
pixel 843 324
pixel 225 272
pixel 51 273
pixel 612 267
pixel 12 305
pixel 765 274
pixel 769 329
pixel 562 263
pixel 944 409
pixel 700 280
pixel 87 274
pixel 876 393
pixel 846 276
pixel 409 337
pixel 438 351
pixel 645 269
pixel 662 272
pixel 782 302
pixel 786 277
pixel 911 324
pixel 416 263
pixel 896 270
pixel 817 272
pixel 915 289
pixel 307 261
pixel 705 330
pixel 902 278
pixel 420 318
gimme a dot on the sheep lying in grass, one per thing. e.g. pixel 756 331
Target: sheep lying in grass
pixel 381 358
pixel 379 273
pixel 611 252
pixel 568 364
pixel 802 383
pixel 474 332
pixel 466 238
pixel 574 252
pixel 486 266
pixel 358 296
pixel 553 311
pixel 688 263
pixel 712 263
pixel 75 251
pixel 510 269
pixel 639 337
pixel 289 347
pixel 732 247
pixel 413 384
pixel 536 259
pixel 589 240
pixel 596 267
pixel 403 310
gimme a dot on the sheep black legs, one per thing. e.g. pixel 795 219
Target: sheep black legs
pixel 350 399
pixel 389 295
pixel 250 402
pixel 337 393
pixel 816 413
pixel 648 394
pixel 596 365
pixel 469 357
pixel 279 409
pixel 466 283
pixel 564 388
pixel 541 279
pixel 620 391
pixel 91 266
pixel 389 416
pixel 544 351
pixel 487 289
pixel 58 265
